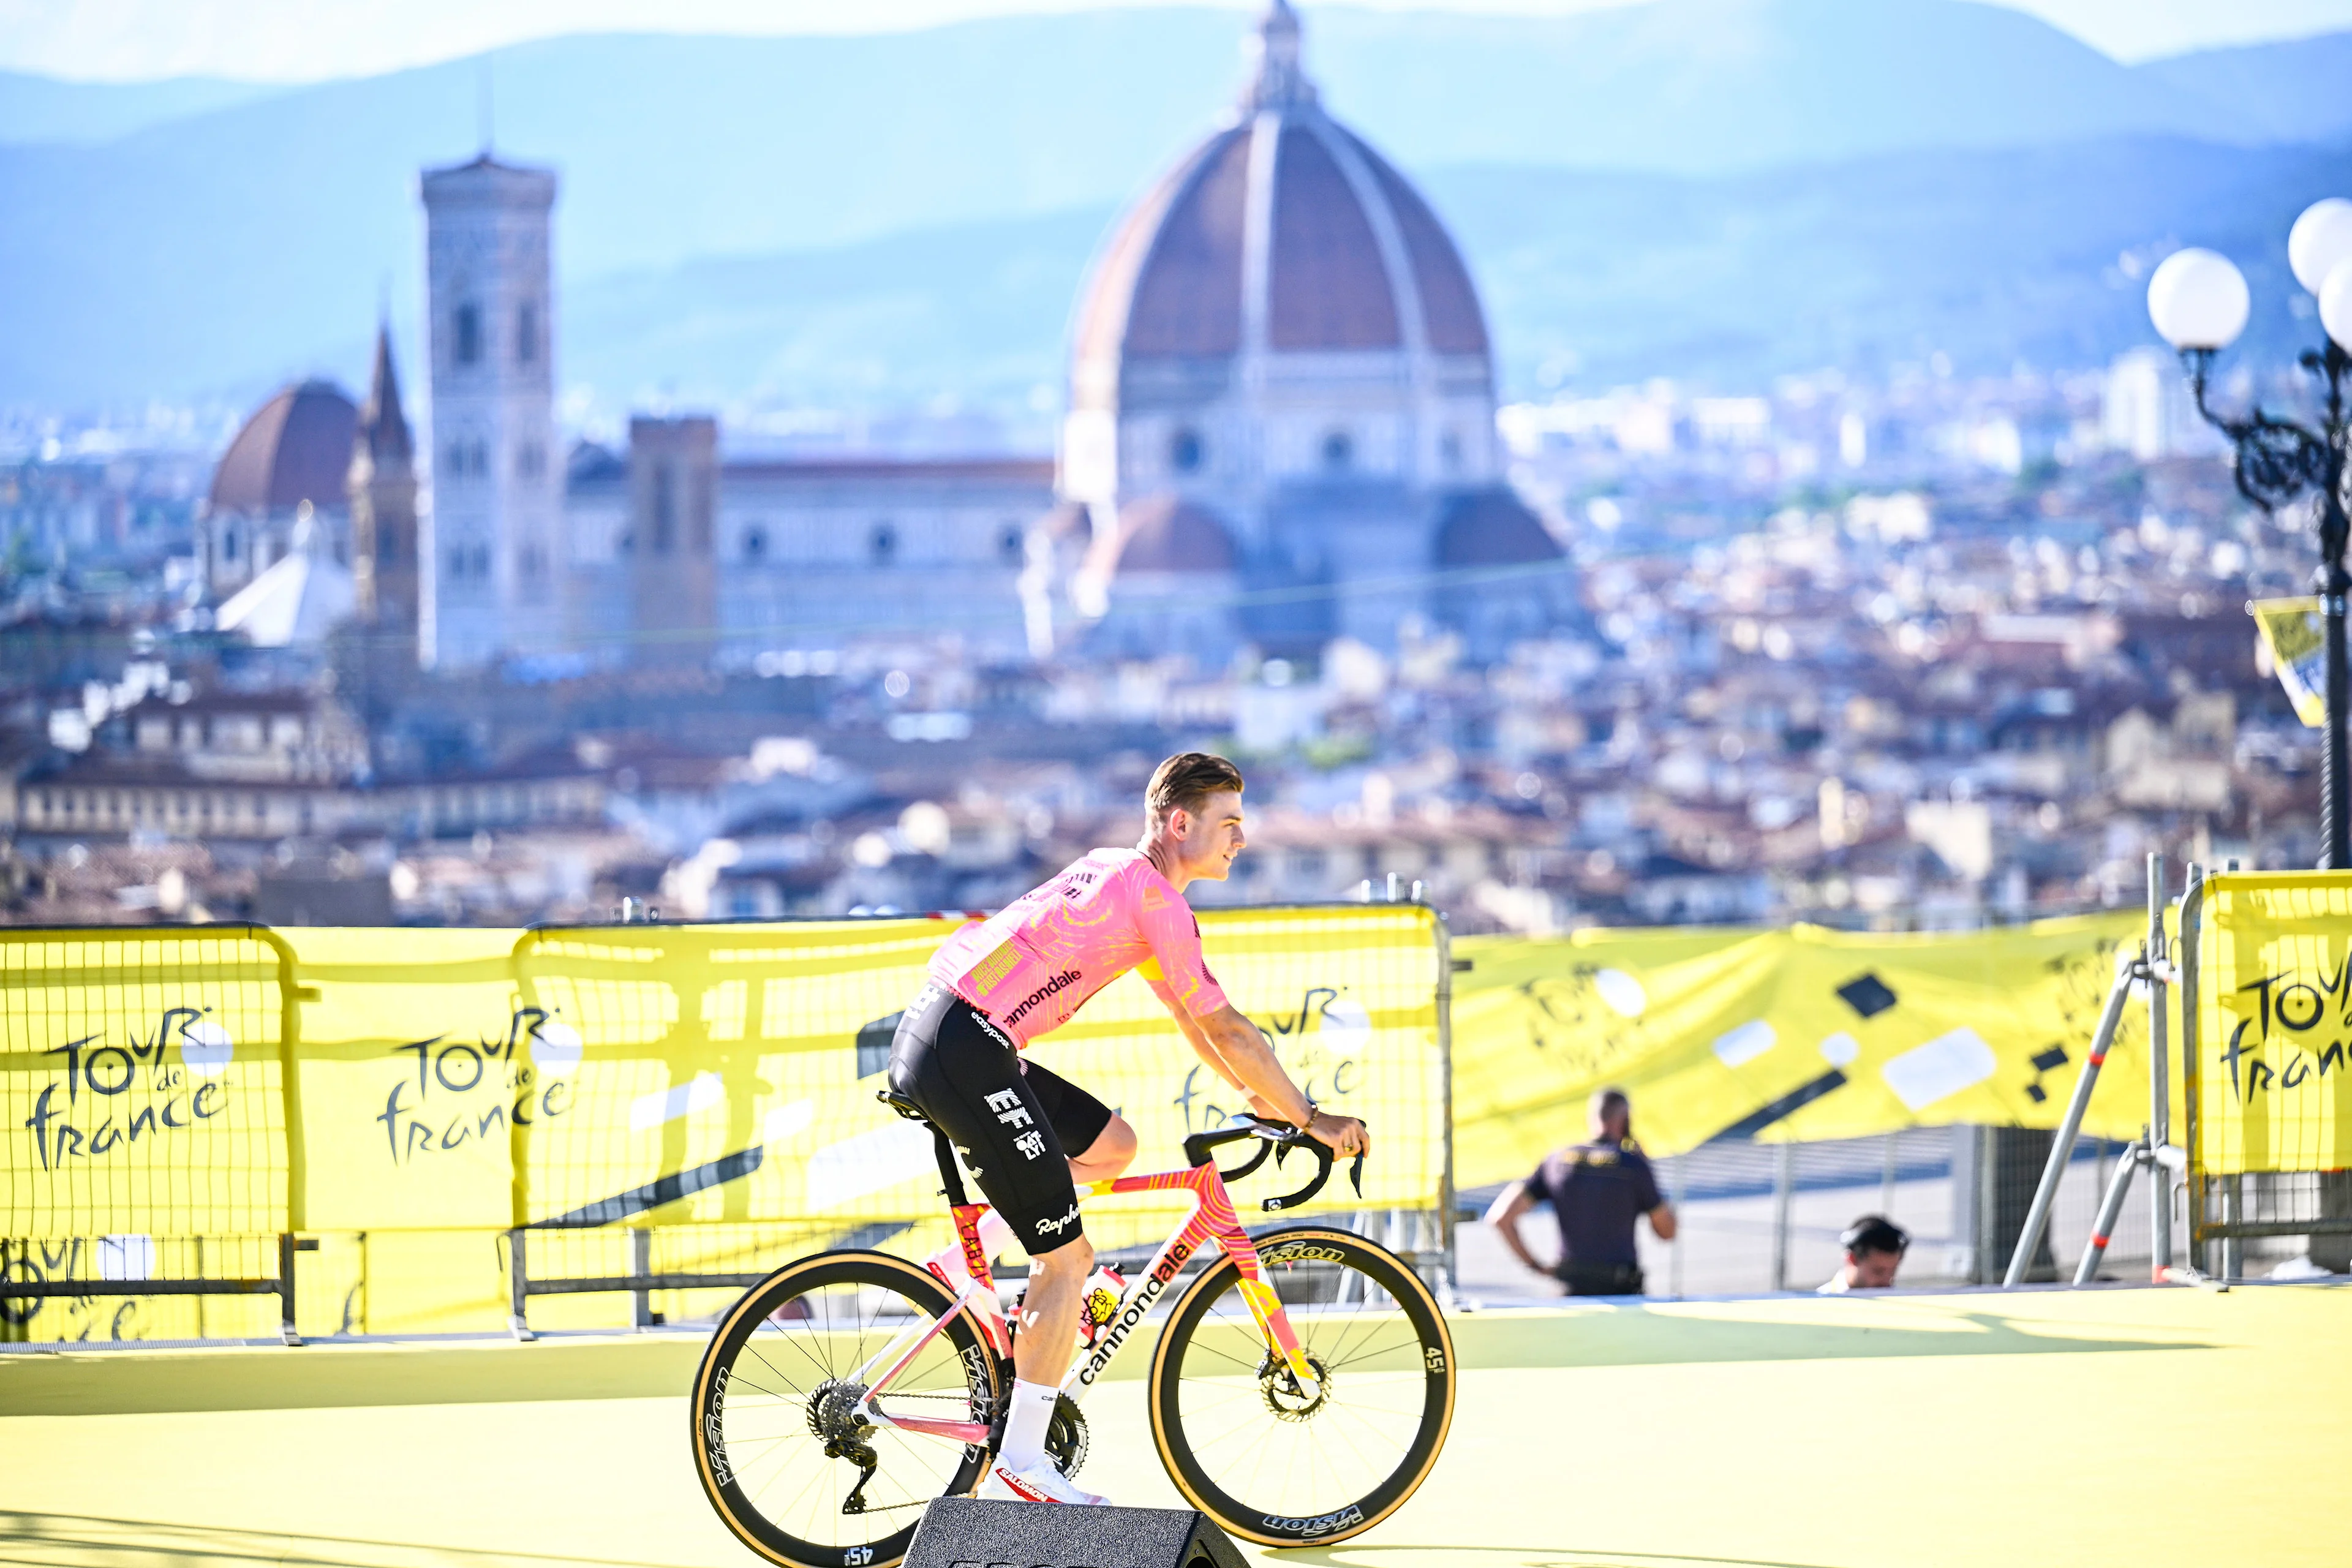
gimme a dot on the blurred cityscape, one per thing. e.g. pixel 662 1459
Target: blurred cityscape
pixel 1921 649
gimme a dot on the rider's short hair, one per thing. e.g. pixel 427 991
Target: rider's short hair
pixel 1185 781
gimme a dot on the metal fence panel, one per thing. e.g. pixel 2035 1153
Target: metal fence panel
pixel 153 1117
pixel 2268 1018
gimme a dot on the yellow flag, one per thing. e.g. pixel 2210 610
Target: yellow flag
pixel 2297 636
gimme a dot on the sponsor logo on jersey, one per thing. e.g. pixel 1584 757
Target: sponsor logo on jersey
pixel 989 971
pixel 1059 983
pixel 1133 1314
pixel 1060 1225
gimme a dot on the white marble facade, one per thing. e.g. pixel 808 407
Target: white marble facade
pixel 491 548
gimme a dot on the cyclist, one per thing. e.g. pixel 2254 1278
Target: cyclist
pixel 1027 1136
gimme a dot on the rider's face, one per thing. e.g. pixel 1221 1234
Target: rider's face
pixel 1212 836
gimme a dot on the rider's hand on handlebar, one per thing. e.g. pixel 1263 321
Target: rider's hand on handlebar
pixel 1346 1136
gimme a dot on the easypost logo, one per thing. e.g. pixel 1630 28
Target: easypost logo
pixel 1062 982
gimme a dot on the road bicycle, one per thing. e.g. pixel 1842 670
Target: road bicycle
pixel 1299 1392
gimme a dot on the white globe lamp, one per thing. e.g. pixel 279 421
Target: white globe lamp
pixel 2198 300
pixel 2334 294
pixel 2320 242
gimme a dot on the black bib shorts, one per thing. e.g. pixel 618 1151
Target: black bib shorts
pixel 1015 1124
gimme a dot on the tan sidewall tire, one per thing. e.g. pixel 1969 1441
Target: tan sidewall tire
pixel 758 1299
pixel 1217 1279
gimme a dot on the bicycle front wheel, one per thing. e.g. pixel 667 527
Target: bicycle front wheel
pixel 1243 1441
pixel 778 1445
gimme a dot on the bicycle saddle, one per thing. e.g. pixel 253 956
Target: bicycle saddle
pixel 902 1105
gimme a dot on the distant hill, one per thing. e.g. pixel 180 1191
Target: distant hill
pixel 2033 256
pixel 2296 90
pixel 36 109
pixel 227 249
pixel 1592 278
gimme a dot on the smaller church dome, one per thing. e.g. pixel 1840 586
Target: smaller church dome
pixel 297 448
pixel 1164 533
pixel 1492 528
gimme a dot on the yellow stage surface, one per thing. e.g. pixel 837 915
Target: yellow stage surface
pixel 2142 1425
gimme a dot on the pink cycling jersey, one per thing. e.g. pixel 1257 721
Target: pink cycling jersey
pixel 1034 962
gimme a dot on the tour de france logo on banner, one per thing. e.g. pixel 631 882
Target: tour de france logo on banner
pixel 109 1094
pixel 2276 1038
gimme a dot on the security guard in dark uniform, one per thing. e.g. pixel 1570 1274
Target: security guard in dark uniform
pixel 1597 1190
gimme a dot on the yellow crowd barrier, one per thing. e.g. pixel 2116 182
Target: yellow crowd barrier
pixel 461 1118
pixel 154 1122
pixel 2268 1056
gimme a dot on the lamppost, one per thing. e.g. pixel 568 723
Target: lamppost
pixel 2199 301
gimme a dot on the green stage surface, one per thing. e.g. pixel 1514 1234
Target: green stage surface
pixel 2141 1425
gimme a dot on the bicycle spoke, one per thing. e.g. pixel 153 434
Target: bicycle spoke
pixel 1260 1449
pixel 784 1407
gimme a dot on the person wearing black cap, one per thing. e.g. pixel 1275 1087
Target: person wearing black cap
pixel 1875 1247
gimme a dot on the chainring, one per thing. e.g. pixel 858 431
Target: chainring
pixel 1065 1436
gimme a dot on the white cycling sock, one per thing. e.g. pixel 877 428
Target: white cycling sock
pixel 1030 1412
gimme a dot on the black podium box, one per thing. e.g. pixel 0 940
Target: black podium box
pixel 973 1532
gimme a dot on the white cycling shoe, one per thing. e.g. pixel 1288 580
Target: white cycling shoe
pixel 1041 1484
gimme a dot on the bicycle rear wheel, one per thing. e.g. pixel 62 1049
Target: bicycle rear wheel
pixel 1239 1436
pixel 796 1478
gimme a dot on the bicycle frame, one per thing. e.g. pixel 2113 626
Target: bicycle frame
pixel 1212 1220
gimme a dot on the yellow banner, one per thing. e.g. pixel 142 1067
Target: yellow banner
pixel 715 1084
pixel 142 1080
pixel 713 1087
pixel 2296 635
pixel 2272 1087
pixel 1795 1034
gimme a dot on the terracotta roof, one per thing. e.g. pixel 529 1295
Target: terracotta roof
pixel 296 448
pixel 1170 286
pixel 1449 300
pixel 1327 287
pixel 1169 282
pixel 1492 528
pixel 1163 533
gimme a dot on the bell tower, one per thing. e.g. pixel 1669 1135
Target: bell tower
pixel 383 491
pixel 488 562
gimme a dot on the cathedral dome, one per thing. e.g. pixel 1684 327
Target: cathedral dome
pixel 1164 533
pixel 297 448
pixel 1282 233
pixel 1492 528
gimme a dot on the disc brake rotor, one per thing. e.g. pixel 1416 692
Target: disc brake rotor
pixel 1279 1386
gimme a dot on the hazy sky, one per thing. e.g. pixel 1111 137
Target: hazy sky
pixel 299 40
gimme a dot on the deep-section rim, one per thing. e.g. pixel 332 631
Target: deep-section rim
pixel 734 1329
pixel 1383 1500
